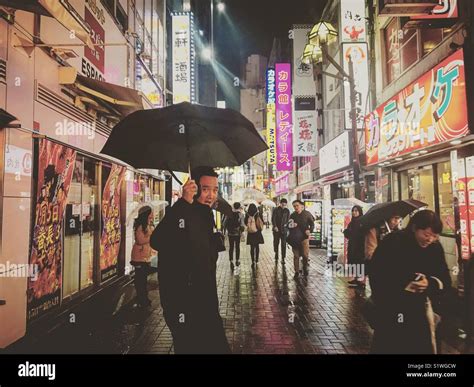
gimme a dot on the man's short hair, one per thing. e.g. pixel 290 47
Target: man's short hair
pixel 297 201
pixel 199 172
pixel 236 205
pixel 283 200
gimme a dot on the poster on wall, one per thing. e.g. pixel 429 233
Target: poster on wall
pixel 55 168
pixel 111 226
pixel 315 207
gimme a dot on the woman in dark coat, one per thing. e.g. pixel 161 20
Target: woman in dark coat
pixel 407 269
pixel 355 247
pixel 254 223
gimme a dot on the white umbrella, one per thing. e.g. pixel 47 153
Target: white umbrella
pixel 156 205
pixel 249 201
pixel 268 203
pixel 248 193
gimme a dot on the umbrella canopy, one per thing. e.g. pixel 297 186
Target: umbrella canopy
pixel 156 205
pixel 384 211
pixel 184 136
pixel 268 203
pixel 248 193
pixel 249 201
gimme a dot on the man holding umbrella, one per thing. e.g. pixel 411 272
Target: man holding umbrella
pixel 187 268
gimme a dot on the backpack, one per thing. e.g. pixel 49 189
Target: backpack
pixel 252 225
pixel 233 224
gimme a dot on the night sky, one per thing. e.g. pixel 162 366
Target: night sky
pixel 257 22
pixel 249 27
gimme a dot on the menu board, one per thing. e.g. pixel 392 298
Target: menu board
pixel 338 220
pixel 315 207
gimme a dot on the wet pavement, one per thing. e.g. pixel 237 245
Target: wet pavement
pixel 265 311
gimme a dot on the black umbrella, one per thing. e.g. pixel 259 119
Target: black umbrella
pixel 384 211
pixel 182 136
pixel 5 118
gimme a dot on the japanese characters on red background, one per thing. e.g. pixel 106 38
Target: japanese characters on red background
pixel 55 169
pixel 430 111
pixel 111 226
pixel 284 119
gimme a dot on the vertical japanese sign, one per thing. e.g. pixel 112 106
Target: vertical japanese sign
pixel 465 192
pixel 303 83
pixel 55 168
pixel 96 56
pixel 271 125
pixel 111 226
pixel 357 52
pixel 305 133
pixel 353 28
pixel 432 110
pixel 183 53
pixel 284 124
pixel 282 184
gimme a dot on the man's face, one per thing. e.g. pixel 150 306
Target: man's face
pixel 283 204
pixel 426 237
pixel 298 207
pixel 209 190
pixel 394 222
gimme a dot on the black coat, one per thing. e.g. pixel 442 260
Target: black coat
pixel 355 234
pixel 187 278
pixel 280 218
pixel 401 322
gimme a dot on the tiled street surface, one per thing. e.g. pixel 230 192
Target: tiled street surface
pixel 264 311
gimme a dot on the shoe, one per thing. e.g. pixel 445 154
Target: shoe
pixel 353 282
pixel 237 263
pixel 361 284
pixel 232 266
pixel 283 261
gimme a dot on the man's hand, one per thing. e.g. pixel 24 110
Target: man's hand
pixel 307 232
pixel 189 190
pixel 275 229
pixel 421 285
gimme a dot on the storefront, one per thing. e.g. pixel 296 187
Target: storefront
pixel 420 146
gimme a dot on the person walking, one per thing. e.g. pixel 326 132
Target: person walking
pixel 408 268
pixel 355 246
pixel 280 218
pixel 187 268
pixel 301 223
pixel 142 253
pixel 235 226
pixel 254 223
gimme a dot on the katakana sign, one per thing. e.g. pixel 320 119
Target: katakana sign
pixel 284 119
pixel 430 111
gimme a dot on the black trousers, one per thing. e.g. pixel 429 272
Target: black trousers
pixel 142 270
pixel 254 252
pixel 234 243
pixel 277 238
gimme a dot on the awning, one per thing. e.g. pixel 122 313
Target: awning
pixel 61 10
pixel 5 118
pixel 123 99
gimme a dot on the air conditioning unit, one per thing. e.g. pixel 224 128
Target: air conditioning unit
pixel 406 7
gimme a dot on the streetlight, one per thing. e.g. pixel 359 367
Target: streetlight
pixel 220 8
pixel 320 35
pixel 206 54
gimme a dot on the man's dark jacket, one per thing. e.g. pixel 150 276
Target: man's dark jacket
pixel 187 260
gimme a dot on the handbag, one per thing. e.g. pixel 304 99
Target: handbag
pixel 218 240
pixel 295 237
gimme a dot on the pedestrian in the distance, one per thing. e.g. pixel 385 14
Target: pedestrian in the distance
pixel 254 223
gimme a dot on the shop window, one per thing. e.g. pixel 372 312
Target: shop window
pixel 402 47
pixel 81 227
pixel 445 195
pixel 430 38
pixel 418 184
